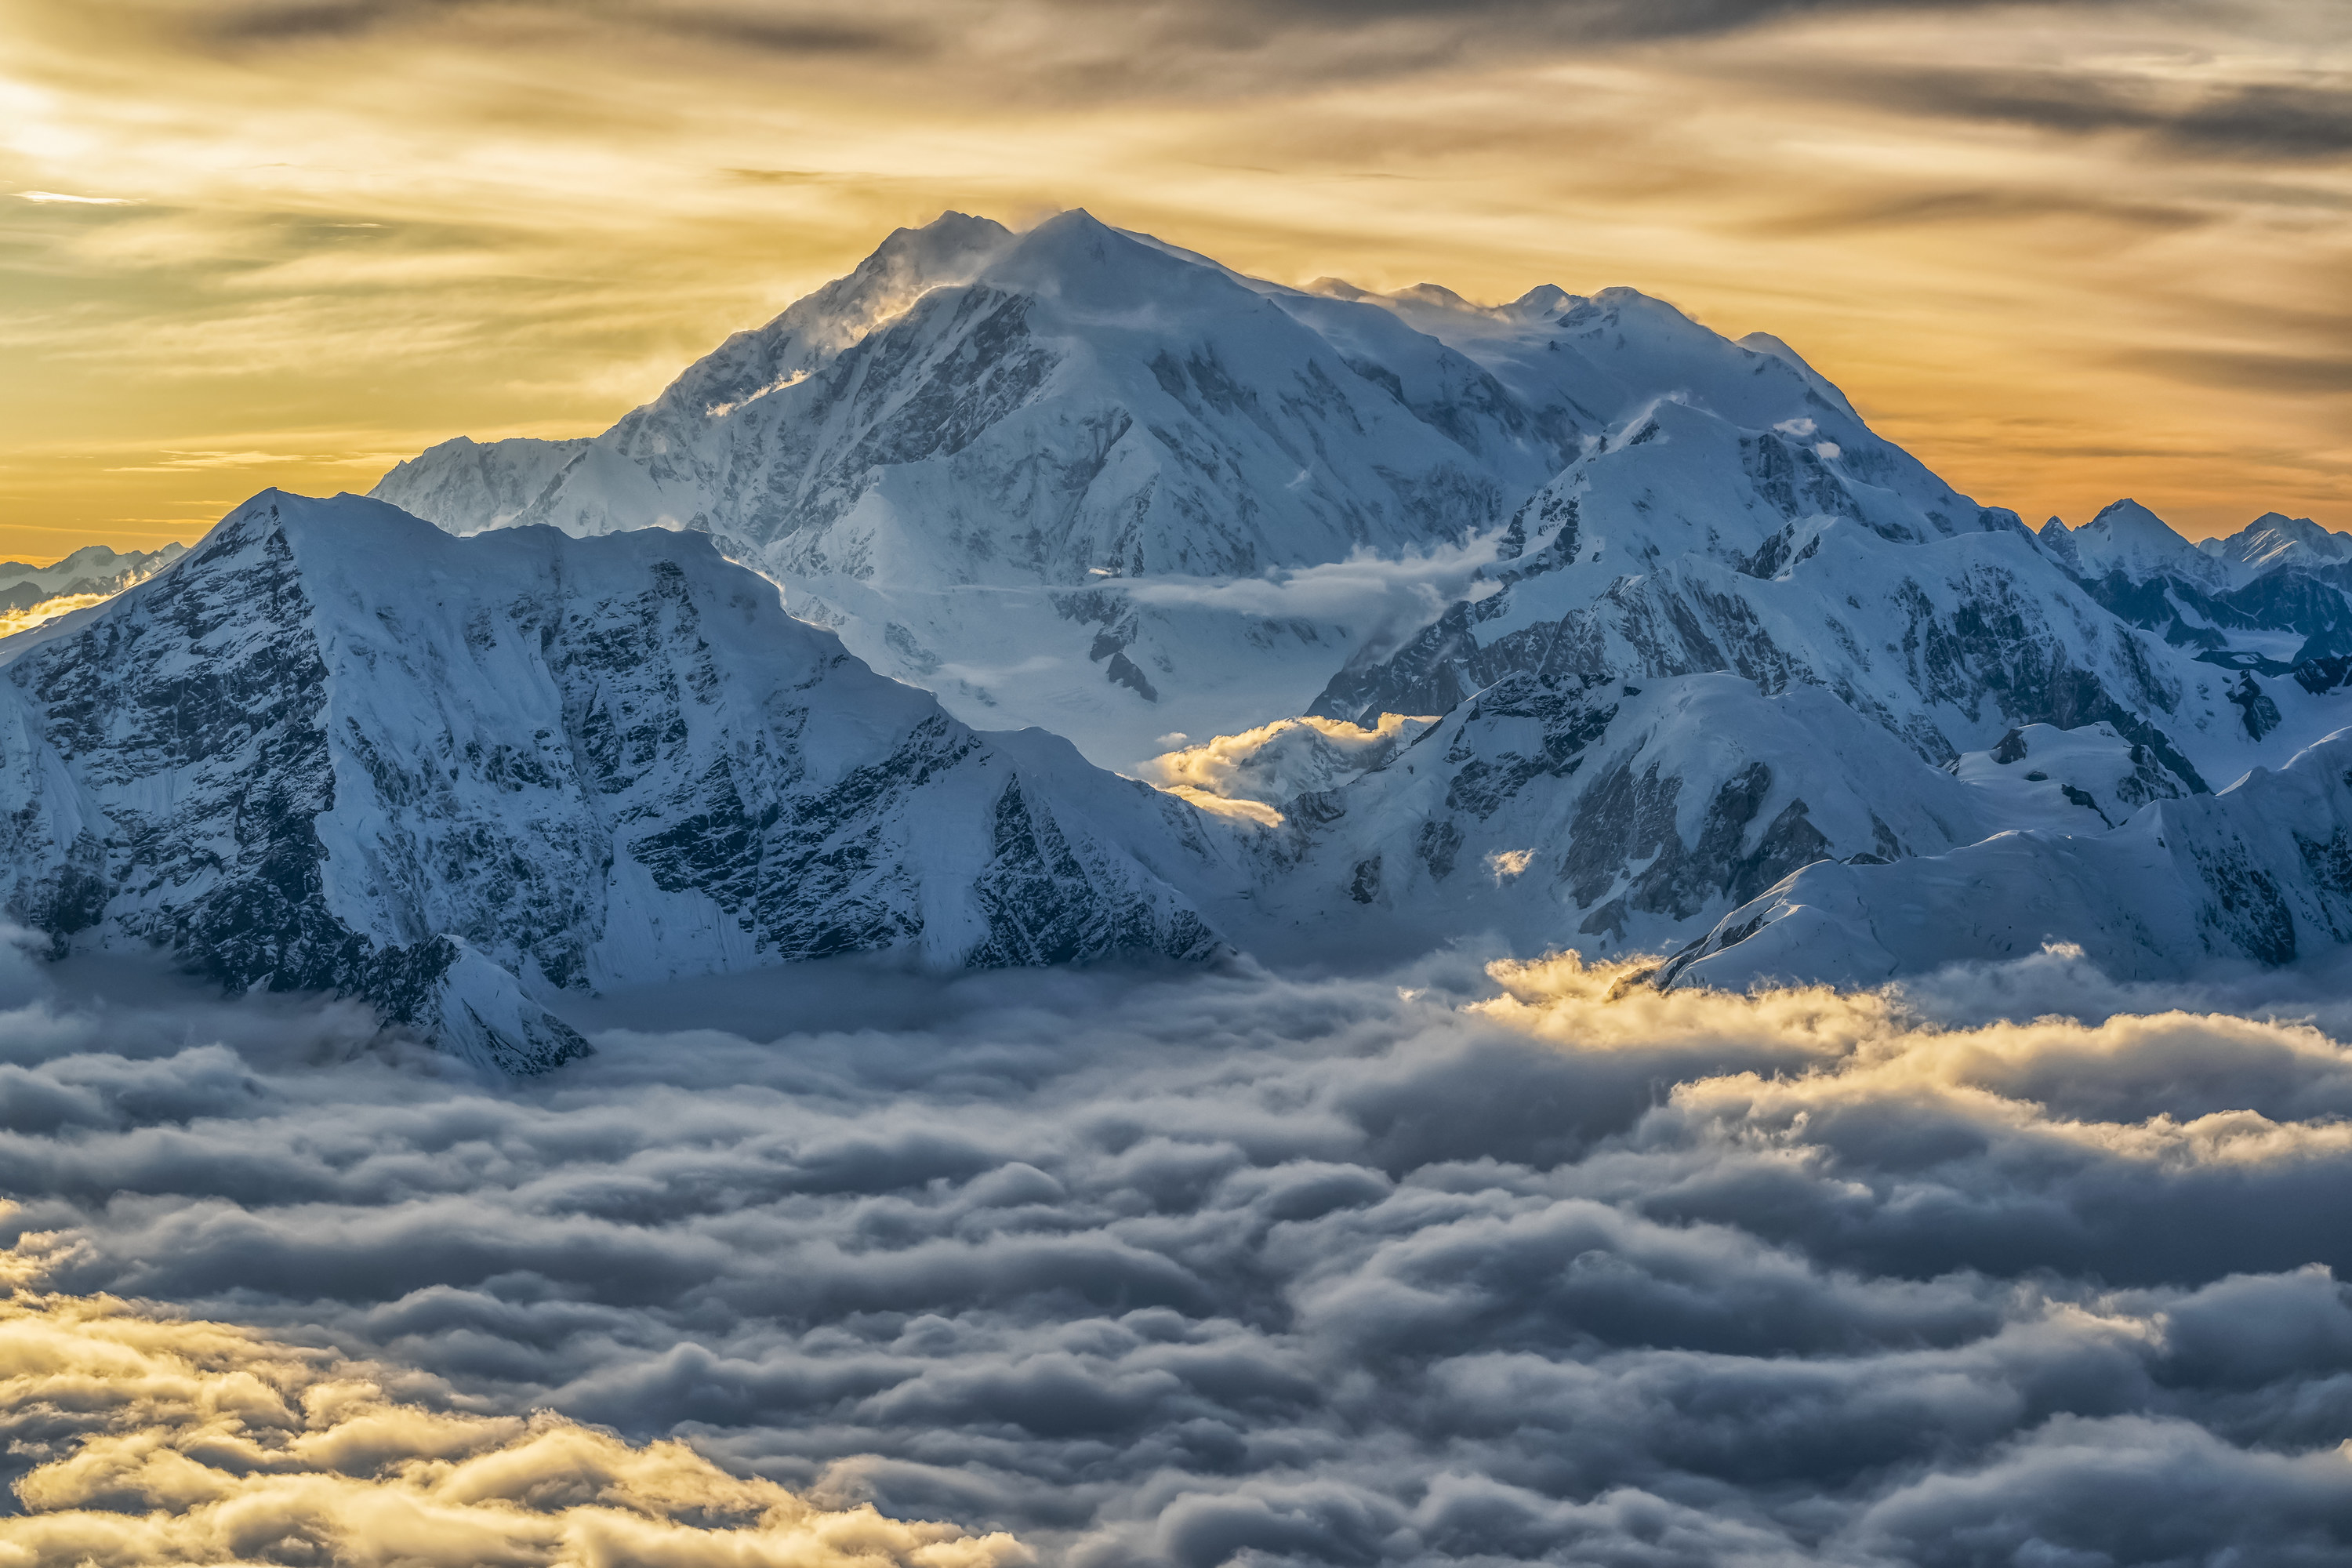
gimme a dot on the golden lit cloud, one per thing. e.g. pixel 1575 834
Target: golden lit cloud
pixel 2063 252
pixel 158 1439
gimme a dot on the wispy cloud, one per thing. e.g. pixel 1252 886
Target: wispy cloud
pixel 185 462
pixel 76 201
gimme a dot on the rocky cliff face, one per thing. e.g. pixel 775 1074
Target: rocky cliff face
pixel 340 749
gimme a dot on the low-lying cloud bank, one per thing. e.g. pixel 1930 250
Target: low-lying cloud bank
pixel 1455 1268
pixel 177 1441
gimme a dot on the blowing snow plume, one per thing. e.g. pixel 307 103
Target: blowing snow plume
pixel 1455 1268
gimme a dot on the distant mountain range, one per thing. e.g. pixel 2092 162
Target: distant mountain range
pixel 92 572
pixel 1677 657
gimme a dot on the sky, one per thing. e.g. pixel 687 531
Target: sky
pixel 2063 253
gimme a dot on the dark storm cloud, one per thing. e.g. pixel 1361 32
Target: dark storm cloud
pixel 788 30
pixel 2260 121
pixel 1420 33
pixel 1977 206
pixel 1172 1271
pixel 2241 370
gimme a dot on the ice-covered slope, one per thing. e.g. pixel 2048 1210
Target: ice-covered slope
pixel 2261 870
pixel 2084 780
pixel 2128 538
pixel 1626 817
pixel 1584 366
pixel 339 748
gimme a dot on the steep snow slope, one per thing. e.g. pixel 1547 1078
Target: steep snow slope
pixel 2127 538
pixel 2074 780
pixel 339 748
pixel 1584 366
pixel 1623 817
pixel 2262 871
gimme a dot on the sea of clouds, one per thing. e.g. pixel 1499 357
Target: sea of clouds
pixel 1459 1266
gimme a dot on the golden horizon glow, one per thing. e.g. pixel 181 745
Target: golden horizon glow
pixel 2062 253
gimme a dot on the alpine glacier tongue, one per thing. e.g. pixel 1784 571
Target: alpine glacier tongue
pixel 339 748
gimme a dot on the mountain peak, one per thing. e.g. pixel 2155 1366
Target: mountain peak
pixel 2275 539
pixel 1076 258
pixel 2126 537
pixel 1436 294
pixel 1543 299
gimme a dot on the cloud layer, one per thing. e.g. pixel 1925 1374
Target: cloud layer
pixel 1453 1267
pixel 166 1440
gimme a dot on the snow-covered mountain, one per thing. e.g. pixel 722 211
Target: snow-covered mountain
pixel 964 455
pixel 1632 694
pixel 1079 479
pixel 339 748
pixel 1567 620
pixel 466 486
pixel 2125 539
pixel 2273 595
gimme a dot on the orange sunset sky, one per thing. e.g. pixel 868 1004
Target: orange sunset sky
pixel 2063 253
